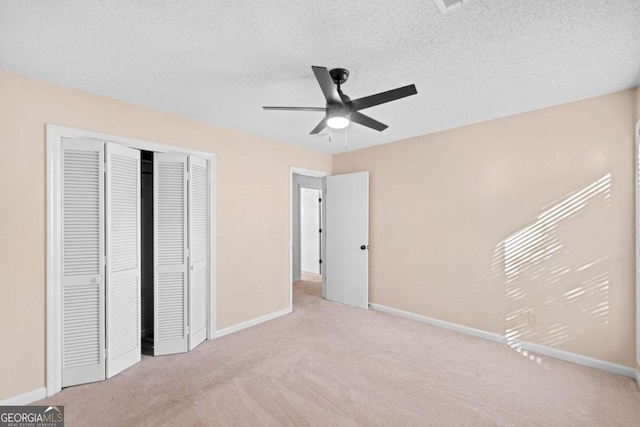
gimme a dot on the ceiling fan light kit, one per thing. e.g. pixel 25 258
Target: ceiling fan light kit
pixel 338 122
pixel 338 118
pixel 340 110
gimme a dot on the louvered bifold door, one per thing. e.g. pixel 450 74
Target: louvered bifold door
pixel 123 257
pixel 83 339
pixel 170 253
pixel 198 249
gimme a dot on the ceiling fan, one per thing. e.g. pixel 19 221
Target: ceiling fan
pixel 340 109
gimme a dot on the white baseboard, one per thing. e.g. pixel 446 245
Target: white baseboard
pixel 637 377
pixel 517 344
pixel 441 323
pixel 25 398
pixel 579 359
pixel 252 322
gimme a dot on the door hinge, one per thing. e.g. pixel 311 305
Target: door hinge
pixel 320 261
pixel 320 231
pixel 320 200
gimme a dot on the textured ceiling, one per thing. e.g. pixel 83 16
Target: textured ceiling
pixel 220 61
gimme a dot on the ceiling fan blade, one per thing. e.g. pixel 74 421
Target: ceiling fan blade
pixel 326 84
pixel 381 98
pixel 367 121
pixel 296 108
pixel 318 129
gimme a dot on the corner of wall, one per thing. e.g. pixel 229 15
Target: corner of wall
pixel 252 322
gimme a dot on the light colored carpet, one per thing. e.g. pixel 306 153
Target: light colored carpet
pixel 310 277
pixel 333 365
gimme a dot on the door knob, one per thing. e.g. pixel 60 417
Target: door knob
pixel 363 247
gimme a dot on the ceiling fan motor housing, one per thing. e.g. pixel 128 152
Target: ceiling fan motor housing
pixel 339 75
pixel 339 111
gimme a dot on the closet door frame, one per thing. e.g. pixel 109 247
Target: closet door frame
pixel 54 135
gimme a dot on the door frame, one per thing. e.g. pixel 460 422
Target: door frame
pixel 54 135
pixel 299 171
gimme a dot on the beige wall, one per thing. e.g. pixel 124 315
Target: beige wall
pixel 483 224
pixel 252 185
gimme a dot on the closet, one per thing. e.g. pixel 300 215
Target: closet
pixel 146 235
pixel 135 256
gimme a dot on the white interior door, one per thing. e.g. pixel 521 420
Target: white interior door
pixel 346 204
pixel 310 230
pixel 198 184
pixel 123 258
pixel 170 253
pixel 83 329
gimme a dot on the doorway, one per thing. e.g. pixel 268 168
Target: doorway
pixel 344 239
pixel 306 219
pixel 346 242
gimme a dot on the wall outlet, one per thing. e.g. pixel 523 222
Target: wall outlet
pixel 274 234
pixel 261 295
pixel 534 317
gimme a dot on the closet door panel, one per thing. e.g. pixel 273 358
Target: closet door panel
pixel 83 326
pixel 198 249
pixel 123 258
pixel 170 253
